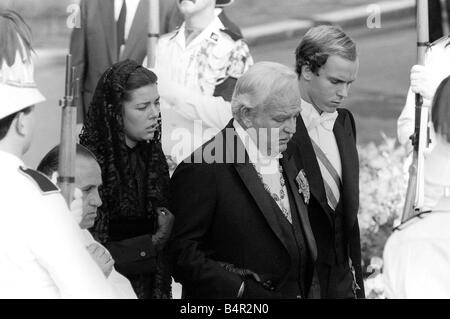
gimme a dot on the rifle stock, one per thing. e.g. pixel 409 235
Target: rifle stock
pixel 409 207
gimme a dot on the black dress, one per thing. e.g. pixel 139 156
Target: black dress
pixel 137 220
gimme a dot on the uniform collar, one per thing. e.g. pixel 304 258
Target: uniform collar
pixel 10 160
pixel 211 32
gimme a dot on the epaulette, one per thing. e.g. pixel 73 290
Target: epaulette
pixel 231 28
pixel 412 220
pixel 45 185
pixel 445 38
pixel 232 34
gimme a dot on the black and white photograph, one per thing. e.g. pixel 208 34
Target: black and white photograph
pixel 247 151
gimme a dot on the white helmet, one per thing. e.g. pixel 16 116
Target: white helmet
pixel 17 87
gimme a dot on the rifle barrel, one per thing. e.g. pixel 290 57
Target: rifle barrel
pixel 66 167
pixel 153 32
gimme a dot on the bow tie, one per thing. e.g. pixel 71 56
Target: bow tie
pixel 326 120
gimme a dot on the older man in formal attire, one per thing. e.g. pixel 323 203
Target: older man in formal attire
pixel 241 226
pixel 324 148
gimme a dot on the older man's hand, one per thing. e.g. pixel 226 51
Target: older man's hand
pixel 102 257
pixel 165 224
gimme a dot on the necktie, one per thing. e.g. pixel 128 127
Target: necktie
pixel 326 120
pixel 121 28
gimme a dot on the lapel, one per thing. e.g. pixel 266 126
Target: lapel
pixel 305 151
pixel 110 28
pixel 138 28
pixel 350 166
pixel 249 177
pixel 291 171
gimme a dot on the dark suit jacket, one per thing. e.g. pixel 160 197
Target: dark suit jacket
pixel 333 235
pixel 94 45
pixel 224 214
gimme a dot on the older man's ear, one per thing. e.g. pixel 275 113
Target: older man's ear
pixel 245 115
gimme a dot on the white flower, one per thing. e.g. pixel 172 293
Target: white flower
pixel 383 185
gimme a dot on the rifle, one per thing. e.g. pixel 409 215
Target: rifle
pixel 66 167
pixel 420 138
pixel 153 32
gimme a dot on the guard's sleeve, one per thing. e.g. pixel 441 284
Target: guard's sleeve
pixel 57 243
pixel 387 276
pixel 119 283
pixel 416 269
pixel 240 62
pixel 426 274
pixel 213 111
pixel 405 123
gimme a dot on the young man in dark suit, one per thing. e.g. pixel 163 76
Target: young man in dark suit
pixel 241 227
pixel 324 148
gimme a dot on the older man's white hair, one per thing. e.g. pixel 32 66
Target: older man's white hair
pixel 263 85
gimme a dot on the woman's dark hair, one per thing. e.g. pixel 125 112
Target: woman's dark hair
pixel 139 78
pixel 103 134
pixel 440 110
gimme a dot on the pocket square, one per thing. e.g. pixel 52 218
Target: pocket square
pixel 303 185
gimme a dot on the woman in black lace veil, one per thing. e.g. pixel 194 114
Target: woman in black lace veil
pixel 123 130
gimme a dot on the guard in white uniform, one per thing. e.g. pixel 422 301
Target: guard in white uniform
pixel 417 255
pixel 41 252
pixel 424 80
pixel 197 70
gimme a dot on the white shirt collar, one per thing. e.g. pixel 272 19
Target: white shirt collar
pixel 310 114
pixel 254 155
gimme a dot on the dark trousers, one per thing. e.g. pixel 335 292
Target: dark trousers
pixel 335 281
